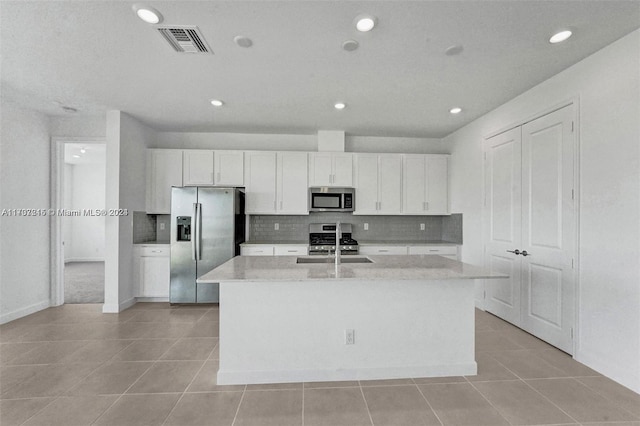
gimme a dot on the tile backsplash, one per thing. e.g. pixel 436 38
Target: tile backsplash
pixel 144 227
pixel 381 228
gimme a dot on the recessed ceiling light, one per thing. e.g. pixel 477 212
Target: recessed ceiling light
pixel 76 156
pixel 82 150
pixel 216 102
pixel 365 23
pixel 340 105
pixel 455 110
pixel 350 45
pixel 456 49
pixel 69 109
pixel 243 41
pixel 147 14
pixel 560 37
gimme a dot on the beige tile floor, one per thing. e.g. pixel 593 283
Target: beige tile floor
pixel 155 365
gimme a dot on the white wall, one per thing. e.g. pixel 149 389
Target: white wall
pixel 127 141
pixel 67 203
pixel 282 142
pixel 24 183
pixel 87 232
pixel 240 141
pixel 78 126
pixel 608 86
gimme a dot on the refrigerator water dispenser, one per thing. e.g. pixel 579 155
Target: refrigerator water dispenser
pixel 184 228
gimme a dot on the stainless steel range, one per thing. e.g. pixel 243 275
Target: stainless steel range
pixel 322 239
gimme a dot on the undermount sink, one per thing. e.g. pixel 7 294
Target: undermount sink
pixel 322 259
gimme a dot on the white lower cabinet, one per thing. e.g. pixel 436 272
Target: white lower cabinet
pixel 274 250
pixel 383 250
pixel 447 251
pixel 152 266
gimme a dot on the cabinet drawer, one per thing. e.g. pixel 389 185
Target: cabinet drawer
pixel 154 250
pixel 291 250
pixel 256 250
pixel 441 250
pixel 383 250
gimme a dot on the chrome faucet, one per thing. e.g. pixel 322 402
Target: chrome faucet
pixel 338 238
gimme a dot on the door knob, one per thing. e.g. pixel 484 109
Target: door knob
pixel 524 253
pixel 516 251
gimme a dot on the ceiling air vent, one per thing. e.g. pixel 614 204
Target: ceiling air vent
pixel 185 39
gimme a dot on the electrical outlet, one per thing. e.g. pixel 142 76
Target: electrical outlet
pixel 349 337
pixel 366 226
pixel 276 226
pixel 422 226
pixel 162 226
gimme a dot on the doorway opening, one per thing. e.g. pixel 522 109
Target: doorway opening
pixel 78 231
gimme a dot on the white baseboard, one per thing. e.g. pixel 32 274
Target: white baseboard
pixel 226 377
pixel 112 308
pixel 19 313
pixel 152 299
pixel 84 259
pixel 616 372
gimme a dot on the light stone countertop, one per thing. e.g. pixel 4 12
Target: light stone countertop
pixel 406 243
pixel 273 243
pixel 383 268
pixel 153 243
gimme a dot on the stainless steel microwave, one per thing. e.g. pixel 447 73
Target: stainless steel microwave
pixel 325 199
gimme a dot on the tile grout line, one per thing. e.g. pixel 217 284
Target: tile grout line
pixel 235 416
pixel 577 380
pixel 538 392
pixel 185 391
pixel 132 384
pixel 366 404
pixel 489 402
pixel 427 401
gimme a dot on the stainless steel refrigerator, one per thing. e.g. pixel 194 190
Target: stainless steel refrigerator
pixel 207 228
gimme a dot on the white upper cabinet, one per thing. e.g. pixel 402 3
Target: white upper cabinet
pixel 197 167
pixel 378 184
pixel 276 183
pixel 292 188
pixel 164 170
pixel 425 184
pixel 206 168
pixel 229 168
pixel 330 169
pixel 260 182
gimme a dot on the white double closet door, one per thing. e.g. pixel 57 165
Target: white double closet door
pixel 530 226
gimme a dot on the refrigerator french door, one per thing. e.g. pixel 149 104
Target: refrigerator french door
pixel 207 228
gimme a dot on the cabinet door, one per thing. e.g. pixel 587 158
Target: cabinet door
pixel 389 184
pixel 155 275
pixel 229 168
pixel 320 169
pixel 437 185
pixel 164 170
pixel 414 184
pixel 197 167
pixel 342 170
pixel 293 190
pixel 260 182
pixel 366 184
pixel 281 250
pixel 383 250
pixel 257 250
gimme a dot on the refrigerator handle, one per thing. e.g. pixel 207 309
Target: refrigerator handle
pixel 194 234
pixel 199 230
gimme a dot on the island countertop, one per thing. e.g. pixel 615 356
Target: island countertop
pixel 382 268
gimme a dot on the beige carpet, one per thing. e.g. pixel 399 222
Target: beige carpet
pixel 84 282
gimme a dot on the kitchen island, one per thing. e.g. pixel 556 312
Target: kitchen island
pixel 395 317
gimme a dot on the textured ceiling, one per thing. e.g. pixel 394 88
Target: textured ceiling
pixel 97 55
